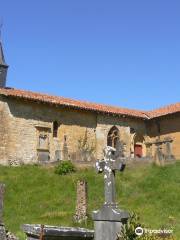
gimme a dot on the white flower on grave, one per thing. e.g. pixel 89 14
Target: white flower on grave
pixel 105 176
pixel 109 183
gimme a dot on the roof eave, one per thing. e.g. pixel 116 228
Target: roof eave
pixel 72 106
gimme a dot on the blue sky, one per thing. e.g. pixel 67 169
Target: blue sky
pixel 118 52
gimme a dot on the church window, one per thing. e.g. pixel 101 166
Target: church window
pixel 113 137
pixel 132 130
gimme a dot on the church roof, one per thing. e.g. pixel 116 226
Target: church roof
pixel 88 106
pixel 71 103
pixel 170 109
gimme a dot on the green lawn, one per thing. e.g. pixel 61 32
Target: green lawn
pixel 37 195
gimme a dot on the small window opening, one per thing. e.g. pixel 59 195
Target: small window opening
pixel 55 129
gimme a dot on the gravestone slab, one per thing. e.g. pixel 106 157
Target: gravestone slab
pixel 35 231
pixel 43 156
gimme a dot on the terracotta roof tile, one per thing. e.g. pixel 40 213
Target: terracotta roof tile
pixel 61 101
pixel 76 104
pixel 173 108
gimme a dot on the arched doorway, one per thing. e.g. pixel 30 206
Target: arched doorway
pixel 113 137
pixel 139 146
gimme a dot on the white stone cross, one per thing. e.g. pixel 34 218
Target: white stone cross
pixel 109 165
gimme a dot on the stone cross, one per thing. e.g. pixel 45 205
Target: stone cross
pixel 108 220
pixel 109 165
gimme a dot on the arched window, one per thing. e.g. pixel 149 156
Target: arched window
pixel 113 137
pixel 55 129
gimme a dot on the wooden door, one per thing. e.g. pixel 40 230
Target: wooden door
pixel 138 150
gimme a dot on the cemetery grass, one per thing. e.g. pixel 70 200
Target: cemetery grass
pixel 36 194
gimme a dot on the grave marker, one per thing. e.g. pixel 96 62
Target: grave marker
pixel 109 219
pixel 81 202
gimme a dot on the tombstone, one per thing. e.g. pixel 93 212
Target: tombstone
pixel 65 151
pixel 168 144
pixel 159 156
pixel 2 228
pixel 109 219
pixel 81 204
pixel 43 156
pixel 37 231
pixel 43 141
pixel 57 156
pixel 43 147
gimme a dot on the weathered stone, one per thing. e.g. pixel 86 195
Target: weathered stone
pixel 2 233
pixel 20 144
pixel 60 233
pixel 10 236
pixel 109 219
pixel 81 202
pixel 108 166
pixel 159 156
pixel 57 155
pixel 43 156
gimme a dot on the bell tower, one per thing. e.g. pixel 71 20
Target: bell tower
pixel 3 68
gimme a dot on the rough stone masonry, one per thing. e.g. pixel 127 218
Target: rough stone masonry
pixel 81 202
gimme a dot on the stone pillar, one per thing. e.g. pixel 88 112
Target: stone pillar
pixel 81 202
pixel 108 222
pixel 2 228
pixel 159 156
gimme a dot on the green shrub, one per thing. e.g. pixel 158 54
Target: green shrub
pixel 65 167
pixel 128 231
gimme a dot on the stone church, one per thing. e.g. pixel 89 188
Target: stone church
pixel 36 127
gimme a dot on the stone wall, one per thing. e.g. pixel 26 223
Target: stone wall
pixel 22 122
pixel 124 125
pixel 26 132
pixel 3 132
pixel 163 128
